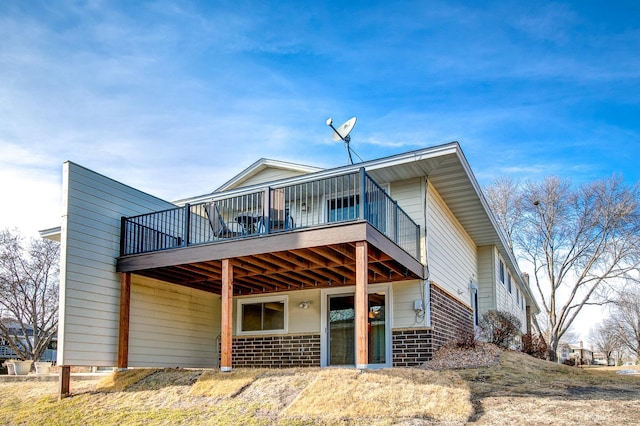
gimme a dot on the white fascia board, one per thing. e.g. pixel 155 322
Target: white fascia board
pixel 51 233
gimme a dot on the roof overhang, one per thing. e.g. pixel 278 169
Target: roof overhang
pixel 447 169
pixel 51 233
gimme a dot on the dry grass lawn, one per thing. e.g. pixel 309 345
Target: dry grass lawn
pixel 524 390
pixel 520 390
pixel 368 396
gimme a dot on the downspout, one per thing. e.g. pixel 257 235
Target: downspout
pixel 425 285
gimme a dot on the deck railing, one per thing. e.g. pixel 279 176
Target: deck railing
pixel 340 198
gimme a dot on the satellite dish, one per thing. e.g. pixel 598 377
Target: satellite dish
pixel 342 133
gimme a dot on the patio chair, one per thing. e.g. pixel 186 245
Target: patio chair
pixel 219 227
pixel 276 225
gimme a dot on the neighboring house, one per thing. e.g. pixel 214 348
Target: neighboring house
pixel 601 358
pixel 578 354
pixel 18 334
pixel 375 264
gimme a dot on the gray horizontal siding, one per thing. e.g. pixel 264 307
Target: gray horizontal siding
pixel 170 325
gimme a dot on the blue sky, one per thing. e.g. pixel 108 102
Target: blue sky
pixel 174 98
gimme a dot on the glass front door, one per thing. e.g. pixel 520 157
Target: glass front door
pixel 377 329
pixel 341 329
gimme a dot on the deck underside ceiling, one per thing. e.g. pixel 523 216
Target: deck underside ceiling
pixel 286 262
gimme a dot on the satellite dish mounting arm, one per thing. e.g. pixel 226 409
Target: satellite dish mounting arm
pixel 346 138
pixel 346 128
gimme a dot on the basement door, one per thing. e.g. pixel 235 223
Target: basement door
pixel 338 341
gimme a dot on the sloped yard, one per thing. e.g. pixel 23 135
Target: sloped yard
pixel 524 390
pixel 518 390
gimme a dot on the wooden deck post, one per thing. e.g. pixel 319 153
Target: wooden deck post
pixel 125 304
pixel 65 381
pixel 361 305
pixel 226 321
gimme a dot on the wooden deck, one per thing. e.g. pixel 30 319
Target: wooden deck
pixel 298 259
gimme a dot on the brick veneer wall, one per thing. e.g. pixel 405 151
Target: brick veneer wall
pixel 411 347
pixel 276 351
pixel 449 318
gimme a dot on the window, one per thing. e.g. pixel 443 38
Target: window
pixel 474 303
pixel 344 208
pixel 262 315
pixel 509 282
pixel 501 271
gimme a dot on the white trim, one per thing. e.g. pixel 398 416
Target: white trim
pixel 427 303
pixel 253 300
pixel 387 288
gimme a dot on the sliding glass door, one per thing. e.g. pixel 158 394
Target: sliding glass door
pixel 340 329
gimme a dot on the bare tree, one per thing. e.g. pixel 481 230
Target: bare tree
pixel 505 198
pixel 605 338
pixel 29 293
pixel 577 240
pixel 625 317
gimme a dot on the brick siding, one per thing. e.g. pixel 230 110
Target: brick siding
pixel 411 347
pixel 276 351
pixel 449 318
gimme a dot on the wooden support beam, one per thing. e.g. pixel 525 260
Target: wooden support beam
pixel 125 304
pixel 65 381
pixel 227 317
pixel 361 306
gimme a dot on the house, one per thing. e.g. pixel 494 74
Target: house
pixel 577 354
pixel 601 358
pixel 19 333
pixel 370 265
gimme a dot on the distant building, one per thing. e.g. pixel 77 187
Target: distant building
pixel 601 358
pixel 15 330
pixel 576 353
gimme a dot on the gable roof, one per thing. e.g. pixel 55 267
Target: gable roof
pixel 260 166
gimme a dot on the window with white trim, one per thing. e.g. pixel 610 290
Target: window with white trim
pixel 501 271
pixel 345 208
pixel 262 315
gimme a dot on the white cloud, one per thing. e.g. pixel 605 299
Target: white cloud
pixel 31 199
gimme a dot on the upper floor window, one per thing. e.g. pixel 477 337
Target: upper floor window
pixel 343 208
pixel 262 315
pixel 509 282
pixel 501 271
